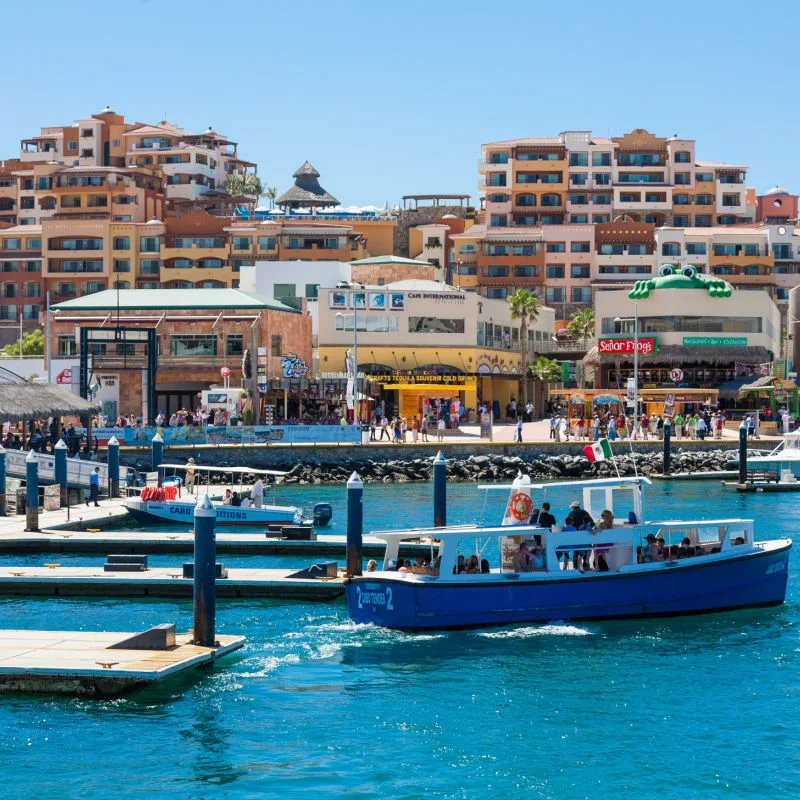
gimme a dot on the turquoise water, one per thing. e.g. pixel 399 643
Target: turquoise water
pixel 697 707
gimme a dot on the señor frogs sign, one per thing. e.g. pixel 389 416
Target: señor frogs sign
pixel 624 347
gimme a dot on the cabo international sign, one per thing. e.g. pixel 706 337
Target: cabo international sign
pixel 625 347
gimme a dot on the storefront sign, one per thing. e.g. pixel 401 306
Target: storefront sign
pixel 715 341
pixel 624 347
pixel 423 380
pixel 676 375
pixel 440 297
pixel 292 366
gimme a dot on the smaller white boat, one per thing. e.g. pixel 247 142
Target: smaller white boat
pixel 154 505
pixel 784 458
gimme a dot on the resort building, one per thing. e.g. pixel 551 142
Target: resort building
pixel 199 332
pixel 21 284
pixel 421 341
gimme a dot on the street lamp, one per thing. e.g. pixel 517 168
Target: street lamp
pixel 618 321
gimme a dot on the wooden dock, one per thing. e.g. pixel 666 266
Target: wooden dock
pixel 94 664
pixel 57 581
pixel 711 475
pixel 181 541
pixel 763 487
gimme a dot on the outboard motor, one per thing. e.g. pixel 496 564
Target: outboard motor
pixel 322 514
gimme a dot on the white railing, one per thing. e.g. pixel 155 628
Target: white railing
pixel 77 471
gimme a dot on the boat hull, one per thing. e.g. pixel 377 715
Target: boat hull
pixel 182 512
pixel 755 579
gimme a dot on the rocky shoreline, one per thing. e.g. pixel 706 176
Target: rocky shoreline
pixel 480 468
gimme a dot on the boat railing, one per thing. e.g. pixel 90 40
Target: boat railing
pixel 416 533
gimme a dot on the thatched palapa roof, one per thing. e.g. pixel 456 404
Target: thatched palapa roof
pixel 306 192
pixel 675 355
pixel 36 401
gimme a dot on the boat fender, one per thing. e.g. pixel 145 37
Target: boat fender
pixel 520 506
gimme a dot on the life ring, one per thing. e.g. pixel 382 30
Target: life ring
pixel 520 506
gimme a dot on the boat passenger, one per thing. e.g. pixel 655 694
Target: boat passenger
pixel 436 566
pixel 485 570
pixel 650 551
pixel 473 566
pixel 459 567
pixel 639 555
pixel 521 559
pixel 257 493
pixel 372 565
pixel 228 497
pixel 546 519
pixel 403 566
pixel 686 548
pixel 236 500
pixel 582 521
pixel 606 524
pixel 537 559
pixel 699 551
pixel 420 566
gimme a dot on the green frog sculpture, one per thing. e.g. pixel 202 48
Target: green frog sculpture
pixel 686 277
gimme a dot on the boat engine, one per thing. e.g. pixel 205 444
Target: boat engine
pixel 322 514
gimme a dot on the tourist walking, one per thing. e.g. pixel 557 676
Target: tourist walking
pixel 385 429
pixel 581 429
pixel 553 427
pixel 440 430
pixel 519 429
pixel 701 427
pixel 94 487
pixel 424 427
pixel 679 425
pixel 414 429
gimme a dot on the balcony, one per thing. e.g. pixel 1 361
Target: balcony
pixel 742 260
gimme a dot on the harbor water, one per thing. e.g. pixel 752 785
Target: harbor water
pixel 695 707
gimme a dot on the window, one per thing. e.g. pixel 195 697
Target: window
pixel 121 285
pixel 32 290
pixel 494 292
pixel 601 159
pixel 67 346
pixel 34 244
pixel 527 200
pixel 730 200
pixel 781 294
pixel 58 243
pixel 149 285
pixel 696 248
pixel 275 346
pixel 70 202
pixel 704 177
pixel 555 271
pixel 267 242
pixel 635 269
pixel 149 266
pixel 579 271
pixel 581 294
pixel 115 143
pixel 496 271
pixel 27 202
pixel 12 244
pixel 579 247
pixel 87 152
pixel 670 249
pixel 372 323
pixel 435 325
pixel 680 221
pixel 578 179
pixel 466 249
pixel 526 272
pixel 192 344
pixel 612 249
pixel 630 197
pixel 551 219
pixel 551 199
pixel 234 345
pixel 498 158
pixel 683 178
pixel 72 146
pixel 281 290
pixel 95 286
pixel 312 291
pixel 9 266
pixel 149 244
pixel 601 219
pixel 726 219
pixel 497 179
pixel 122 265
pixel 579 159
pixel 703 221
pixel 554 294
pixel 526 219
pixel 601 200
pixel 782 251
pixel 681 199
pixel 556 247
pixel 704 200
pixel 122 243
pixel 87 133
pixel 125 200
pixel 497 198
pixel 242 242
pixel 33 266
pixel 578 199
pixel 682 157
pixel 579 219
pixel 498 220
pixel 602 179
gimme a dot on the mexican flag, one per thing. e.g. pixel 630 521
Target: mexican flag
pixel 599 451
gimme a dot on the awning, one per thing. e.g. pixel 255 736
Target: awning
pixel 430 387
pixel 764 382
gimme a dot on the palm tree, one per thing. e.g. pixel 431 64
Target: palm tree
pixel 524 306
pixel 271 192
pixel 235 185
pixel 581 326
pixel 546 370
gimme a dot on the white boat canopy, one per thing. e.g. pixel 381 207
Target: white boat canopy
pixel 227 470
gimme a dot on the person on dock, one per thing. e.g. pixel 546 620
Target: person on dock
pixel 190 476
pixel 385 429
pixel 424 427
pixel 257 493
pixel 440 430
pixel 94 487
pixel 519 430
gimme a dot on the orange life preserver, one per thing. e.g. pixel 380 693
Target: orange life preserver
pixel 520 506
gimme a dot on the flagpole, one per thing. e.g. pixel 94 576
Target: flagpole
pixel 614 459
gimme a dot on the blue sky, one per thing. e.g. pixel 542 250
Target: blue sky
pixel 387 99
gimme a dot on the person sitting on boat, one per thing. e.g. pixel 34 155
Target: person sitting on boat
pixel 372 565
pixel 485 569
pixel 686 548
pixel 537 559
pixel 521 561
pixel 420 566
pixel 404 566
pixel 545 518
pixel 606 524
pixel 257 493
pixel 458 569
pixel 650 551
pixel 236 500
pixel 228 497
pixel 473 566
pixel 436 566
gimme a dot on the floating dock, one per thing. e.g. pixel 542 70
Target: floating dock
pixel 157 542
pixel 99 664
pixel 718 474
pixel 56 581
pixel 763 487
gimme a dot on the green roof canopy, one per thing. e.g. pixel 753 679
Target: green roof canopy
pixel 171 299
pixel 389 260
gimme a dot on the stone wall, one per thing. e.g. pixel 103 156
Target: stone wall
pixel 424 215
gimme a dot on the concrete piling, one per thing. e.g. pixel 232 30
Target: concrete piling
pixel 355 525
pixel 113 467
pixel 439 491
pixel 743 453
pixel 205 578
pixel 667 440
pixel 60 451
pixel 32 493
pixel 158 454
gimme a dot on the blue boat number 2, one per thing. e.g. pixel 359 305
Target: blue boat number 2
pixel 373 594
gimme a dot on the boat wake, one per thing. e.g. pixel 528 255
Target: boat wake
pixel 537 630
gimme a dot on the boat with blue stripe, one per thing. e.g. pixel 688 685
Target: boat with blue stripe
pixel 719 567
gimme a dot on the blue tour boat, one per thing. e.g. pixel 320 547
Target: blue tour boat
pixel 727 568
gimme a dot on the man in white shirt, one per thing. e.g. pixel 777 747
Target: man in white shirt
pixel 257 493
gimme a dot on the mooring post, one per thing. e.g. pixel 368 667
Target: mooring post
pixel 205 573
pixel 2 481
pixel 355 524
pixel 667 437
pixel 32 492
pixel 158 454
pixel 60 451
pixel 113 467
pixel 439 491
pixel 743 453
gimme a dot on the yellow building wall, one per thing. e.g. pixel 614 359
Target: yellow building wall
pixel 379 234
